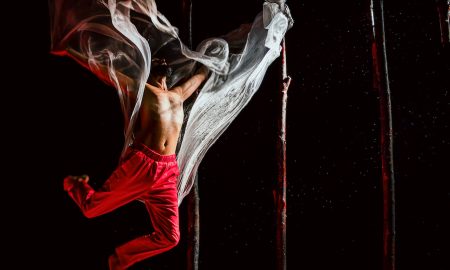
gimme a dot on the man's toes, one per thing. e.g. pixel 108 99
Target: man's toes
pixel 83 178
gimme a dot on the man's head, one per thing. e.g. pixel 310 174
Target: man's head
pixel 160 68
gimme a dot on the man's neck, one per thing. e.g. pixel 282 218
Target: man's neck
pixel 160 82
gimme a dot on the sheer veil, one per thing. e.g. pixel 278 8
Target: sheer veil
pixel 124 35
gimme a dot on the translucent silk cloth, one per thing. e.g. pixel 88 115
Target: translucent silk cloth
pixel 120 37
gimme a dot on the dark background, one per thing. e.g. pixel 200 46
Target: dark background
pixel 71 124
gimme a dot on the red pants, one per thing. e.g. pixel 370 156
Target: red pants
pixel 144 175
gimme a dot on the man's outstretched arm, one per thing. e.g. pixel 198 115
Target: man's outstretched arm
pixel 102 71
pixel 186 89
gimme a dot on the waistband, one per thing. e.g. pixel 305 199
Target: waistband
pixel 153 154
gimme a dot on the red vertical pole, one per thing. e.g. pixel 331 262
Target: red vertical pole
pixel 443 10
pixel 280 192
pixel 193 250
pixel 381 85
pixel 448 21
pixel 193 198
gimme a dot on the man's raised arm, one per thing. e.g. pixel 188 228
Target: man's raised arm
pixel 188 88
pixel 101 71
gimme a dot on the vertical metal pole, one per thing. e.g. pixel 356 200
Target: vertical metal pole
pixel 280 192
pixel 381 85
pixel 193 198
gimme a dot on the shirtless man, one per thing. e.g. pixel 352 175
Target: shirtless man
pixel 149 170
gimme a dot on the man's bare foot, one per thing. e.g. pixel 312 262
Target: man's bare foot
pixel 71 180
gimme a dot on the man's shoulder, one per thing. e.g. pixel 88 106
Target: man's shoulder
pixel 172 93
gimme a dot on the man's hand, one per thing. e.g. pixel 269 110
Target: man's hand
pixel 203 70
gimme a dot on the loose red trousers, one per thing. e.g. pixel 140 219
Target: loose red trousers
pixel 143 175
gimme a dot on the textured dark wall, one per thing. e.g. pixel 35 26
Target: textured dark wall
pixel 334 213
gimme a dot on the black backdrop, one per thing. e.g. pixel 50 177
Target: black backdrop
pixel 72 125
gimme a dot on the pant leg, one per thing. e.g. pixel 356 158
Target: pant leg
pixel 162 206
pixel 129 181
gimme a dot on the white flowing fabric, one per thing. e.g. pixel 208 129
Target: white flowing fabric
pixel 123 36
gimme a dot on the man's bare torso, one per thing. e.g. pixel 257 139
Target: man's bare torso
pixel 160 120
pixel 161 113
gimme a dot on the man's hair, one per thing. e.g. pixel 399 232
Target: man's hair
pixel 160 68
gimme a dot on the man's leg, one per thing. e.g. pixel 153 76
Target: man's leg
pixel 128 182
pixel 162 206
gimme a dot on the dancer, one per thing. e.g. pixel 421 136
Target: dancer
pixel 118 41
pixel 149 170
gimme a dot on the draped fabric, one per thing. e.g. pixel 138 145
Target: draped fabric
pixel 120 37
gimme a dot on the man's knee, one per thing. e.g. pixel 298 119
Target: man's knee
pixel 89 214
pixel 173 238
